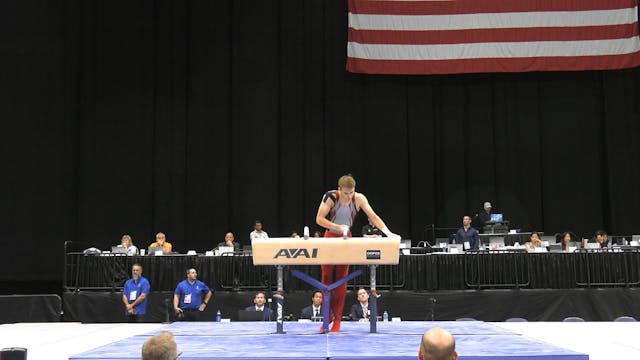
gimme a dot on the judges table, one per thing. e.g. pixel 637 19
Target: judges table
pixel 508 239
pixel 434 271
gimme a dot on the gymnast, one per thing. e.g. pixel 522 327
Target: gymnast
pixel 336 213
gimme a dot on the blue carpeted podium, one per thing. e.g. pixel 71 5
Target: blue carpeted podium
pixel 475 340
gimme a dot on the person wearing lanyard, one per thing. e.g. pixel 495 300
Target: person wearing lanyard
pixel 134 295
pixel 187 298
pixel 313 311
pixel 259 301
pixel 360 311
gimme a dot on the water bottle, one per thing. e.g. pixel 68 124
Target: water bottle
pixel 624 241
pixel 218 316
pixel 385 316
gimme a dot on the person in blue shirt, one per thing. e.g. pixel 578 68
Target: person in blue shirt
pixel 134 295
pixel 467 233
pixel 259 302
pixel 187 298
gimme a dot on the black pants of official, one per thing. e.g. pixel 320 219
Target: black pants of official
pixel 189 315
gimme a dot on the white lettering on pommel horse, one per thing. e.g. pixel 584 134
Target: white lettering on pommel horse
pixel 326 251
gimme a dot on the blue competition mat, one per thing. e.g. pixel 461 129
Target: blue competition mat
pixel 394 341
pixel 406 328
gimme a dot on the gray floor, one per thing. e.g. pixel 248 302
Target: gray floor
pixel 601 340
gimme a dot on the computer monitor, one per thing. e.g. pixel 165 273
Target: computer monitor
pixel 153 249
pixel 246 315
pixel 497 218
pixel 225 250
pixel 455 248
pixel 405 243
pixel 554 248
pixel 118 249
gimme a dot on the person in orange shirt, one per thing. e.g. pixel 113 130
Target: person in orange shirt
pixel 161 240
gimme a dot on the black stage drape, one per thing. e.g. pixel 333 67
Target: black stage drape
pixel 435 272
pixel 487 305
pixel 196 117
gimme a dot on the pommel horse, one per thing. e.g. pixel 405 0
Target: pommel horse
pixel 326 251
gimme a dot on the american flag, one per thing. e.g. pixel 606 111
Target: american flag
pixel 472 36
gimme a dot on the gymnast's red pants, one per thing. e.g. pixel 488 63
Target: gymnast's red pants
pixel 337 299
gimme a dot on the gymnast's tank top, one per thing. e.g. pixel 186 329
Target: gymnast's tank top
pixel 341 214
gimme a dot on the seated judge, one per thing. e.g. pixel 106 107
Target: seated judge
pixel 259 302
pixel 566 239
pixel 534 242
pixel 313 311
pixel 229 241
pixel 601 238
pixel 535 239
pixel 161 240
pixel 127 243
pixel 468 234
pixel 360 310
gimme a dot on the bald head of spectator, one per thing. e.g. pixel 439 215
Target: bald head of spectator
pixel 437 344
pixel 160 347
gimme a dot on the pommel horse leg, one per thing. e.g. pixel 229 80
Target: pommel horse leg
pixel 326 292
pixel 279 299
pixel 373 300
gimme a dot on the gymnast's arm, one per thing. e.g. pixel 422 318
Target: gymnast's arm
pixel 363 203
pixel 321 217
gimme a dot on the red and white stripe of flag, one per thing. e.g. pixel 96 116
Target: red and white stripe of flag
pixel 467 36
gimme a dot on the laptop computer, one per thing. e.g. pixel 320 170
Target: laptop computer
pixel 225 250
pixel 554 248
pixel 497 218
pixel 455 248
pixel 153 249
pixel 245 315
pixel 118 249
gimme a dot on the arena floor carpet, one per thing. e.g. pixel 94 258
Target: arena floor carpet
pixel 393 341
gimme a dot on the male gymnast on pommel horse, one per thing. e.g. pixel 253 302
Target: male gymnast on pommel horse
pixel 336 213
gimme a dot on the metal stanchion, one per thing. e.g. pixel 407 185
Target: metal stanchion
pixel 279 298
pixel 373 300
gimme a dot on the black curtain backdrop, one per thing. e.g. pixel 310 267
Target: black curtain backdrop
pixel 486 305
pixel 196 117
